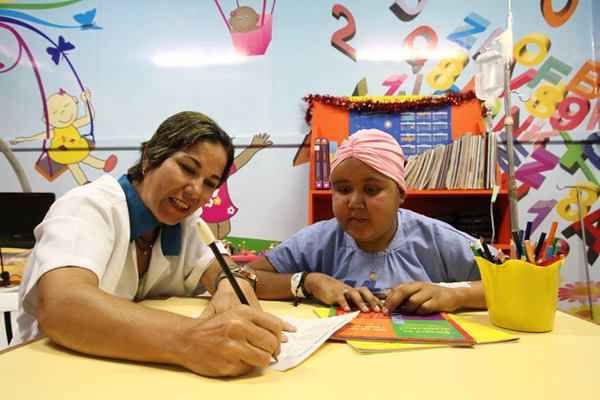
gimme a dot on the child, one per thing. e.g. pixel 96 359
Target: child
pixel 373 247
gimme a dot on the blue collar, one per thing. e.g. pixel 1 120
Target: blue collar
pixel 141 220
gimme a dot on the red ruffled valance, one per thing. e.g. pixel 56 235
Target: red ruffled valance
pixel 394 104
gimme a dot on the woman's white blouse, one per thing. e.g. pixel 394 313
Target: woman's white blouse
pixel 88 227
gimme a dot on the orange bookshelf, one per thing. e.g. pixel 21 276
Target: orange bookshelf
pixel 435 204
pixel 331 123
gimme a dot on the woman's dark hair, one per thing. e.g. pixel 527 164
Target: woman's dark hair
pixel 177 133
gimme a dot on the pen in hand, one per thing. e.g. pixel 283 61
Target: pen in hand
pixel 208 239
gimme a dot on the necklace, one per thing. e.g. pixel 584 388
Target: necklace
pixel 373 277
pixel 144 246
pixel 377 264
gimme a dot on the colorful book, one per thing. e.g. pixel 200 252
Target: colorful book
pixel 430 329
pixel 482 334
pixel 318 167
pixel 326 164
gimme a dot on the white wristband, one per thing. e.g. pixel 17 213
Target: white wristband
pixel 295 285
pixel 454 284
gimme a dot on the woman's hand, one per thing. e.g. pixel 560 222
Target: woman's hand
pixel 329 290
pixel 422 298
pixel 225 297
pixel 230 343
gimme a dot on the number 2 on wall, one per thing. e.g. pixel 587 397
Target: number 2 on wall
pixel 339 37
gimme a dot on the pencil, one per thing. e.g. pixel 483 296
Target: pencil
pixel 529 252
pixel 513 250
pixel 501 257
pixel 517 239
pixel 208 238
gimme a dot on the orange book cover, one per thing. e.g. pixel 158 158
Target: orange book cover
pixel 435 328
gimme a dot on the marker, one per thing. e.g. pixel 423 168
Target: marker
pixel 513 250
pixel 527 231
pixel 529 252
pixel 540 244
pixel 487 252
pixel 475 249
pixel 517 241
pixel 501 257
pixel 550 239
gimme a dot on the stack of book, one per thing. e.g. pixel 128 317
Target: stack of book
pixel 372 332
pixel 324 153
pixel 476 223
pixel 466 163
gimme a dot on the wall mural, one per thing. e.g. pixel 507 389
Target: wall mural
pixel 93 75
pixel 250 32
pixel 63 145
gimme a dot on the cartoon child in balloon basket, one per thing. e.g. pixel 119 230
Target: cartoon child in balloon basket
pixel 243 19
pixel 220 208
pixel 67 147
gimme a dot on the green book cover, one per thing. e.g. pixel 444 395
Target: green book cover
pixel 434 328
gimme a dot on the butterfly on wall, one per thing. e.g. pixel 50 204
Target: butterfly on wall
pixel 55 52
pixel 86 19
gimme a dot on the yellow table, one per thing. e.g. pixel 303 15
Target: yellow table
pixel 557 365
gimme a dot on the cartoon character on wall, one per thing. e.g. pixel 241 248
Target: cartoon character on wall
pixel 243 19
pixel 67 147
pixel 250 31
pixel 220 208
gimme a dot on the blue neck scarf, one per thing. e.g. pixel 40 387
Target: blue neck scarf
pixel 141 220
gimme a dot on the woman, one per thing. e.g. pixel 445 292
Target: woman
pixel 107 243
pixel 373 248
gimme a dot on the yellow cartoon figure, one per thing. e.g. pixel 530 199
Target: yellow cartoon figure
pixel 220 208
pixel 67 146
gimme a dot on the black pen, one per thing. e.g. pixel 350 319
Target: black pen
pixel 517 240
pixel 208 239
pixel 487 252
pixel 539 245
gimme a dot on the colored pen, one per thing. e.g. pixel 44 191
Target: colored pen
pixel 549 240
pixel 529 252
pixel 501 257
pixel 513 250
pixel 475 249
pixel 527 231
pixel 550 261
pixel 517 240
pixel 540 244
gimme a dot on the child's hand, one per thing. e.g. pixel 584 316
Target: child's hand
pixel 422 298
pixel 86 95
pixel 261 139
pixel 331 291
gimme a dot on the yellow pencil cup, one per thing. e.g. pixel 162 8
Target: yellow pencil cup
pixel 520 295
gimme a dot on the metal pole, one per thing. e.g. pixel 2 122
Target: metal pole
pixel 583 244
pixel 508 128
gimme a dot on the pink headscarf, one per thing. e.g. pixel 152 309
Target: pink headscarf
pixel 378 150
